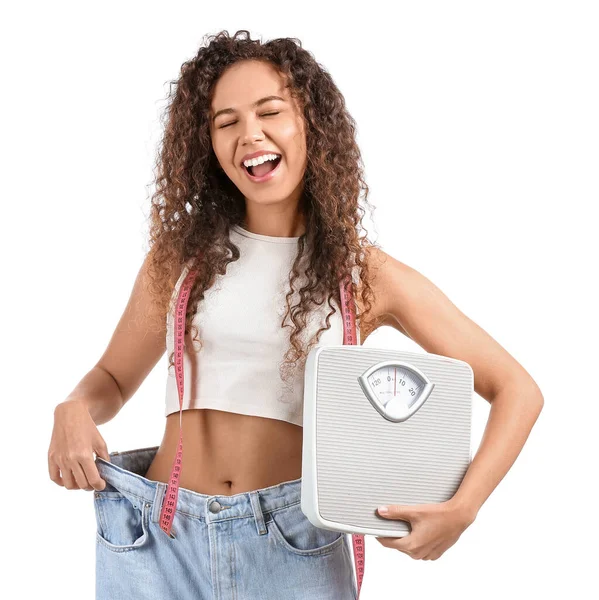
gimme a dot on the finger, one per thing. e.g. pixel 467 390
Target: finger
pixel 92 474
pixel 67 476
pixel 399 543
pixel 80 477
pixel 395 511
pixel 54 471
pixel 102 450
pixel 427 551
pixel 437 551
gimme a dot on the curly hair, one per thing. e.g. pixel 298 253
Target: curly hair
pixel 195 203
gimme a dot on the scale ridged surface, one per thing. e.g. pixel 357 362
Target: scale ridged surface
pixel 364 461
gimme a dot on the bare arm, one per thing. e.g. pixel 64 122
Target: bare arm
pixel 130 356
pixel 418 308
pixel 136 346
pixel 99 393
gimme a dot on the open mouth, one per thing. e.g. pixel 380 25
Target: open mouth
pixel 267 170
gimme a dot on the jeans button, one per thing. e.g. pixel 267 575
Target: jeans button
pixel 214 506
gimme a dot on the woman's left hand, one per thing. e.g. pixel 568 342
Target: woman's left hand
pixel 435 528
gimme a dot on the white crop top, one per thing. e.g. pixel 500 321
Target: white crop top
pixel 243 343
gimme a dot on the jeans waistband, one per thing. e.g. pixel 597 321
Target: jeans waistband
pixel 124 474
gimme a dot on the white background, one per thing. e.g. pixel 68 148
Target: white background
pixel 478 125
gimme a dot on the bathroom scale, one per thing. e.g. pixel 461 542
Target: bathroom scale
pixel 381 426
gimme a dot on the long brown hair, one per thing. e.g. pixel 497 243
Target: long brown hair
pixel 195 203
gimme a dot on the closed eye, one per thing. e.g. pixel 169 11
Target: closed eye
pixel 263 115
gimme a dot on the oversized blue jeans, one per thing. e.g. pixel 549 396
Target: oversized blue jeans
pixel 255 545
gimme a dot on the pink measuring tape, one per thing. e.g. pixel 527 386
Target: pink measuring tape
pixel 169 503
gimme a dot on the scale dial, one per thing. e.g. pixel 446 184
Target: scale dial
pixel 396 389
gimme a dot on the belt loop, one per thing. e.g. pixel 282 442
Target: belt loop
pixel 158 498
pixel 255 502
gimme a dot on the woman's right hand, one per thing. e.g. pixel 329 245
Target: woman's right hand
pixel 74 439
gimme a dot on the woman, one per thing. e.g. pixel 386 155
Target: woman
pixel 269 246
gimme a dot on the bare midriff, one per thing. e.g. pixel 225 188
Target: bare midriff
pixel 227 453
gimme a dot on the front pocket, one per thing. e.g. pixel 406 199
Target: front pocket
pixel 297 534
pixel 122 523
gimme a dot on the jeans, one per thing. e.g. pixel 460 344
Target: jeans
pixel 250 546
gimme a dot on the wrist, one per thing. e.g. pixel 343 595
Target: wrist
pixel 466 507
pixel 77 401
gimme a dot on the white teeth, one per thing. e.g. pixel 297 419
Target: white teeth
pixel 258 161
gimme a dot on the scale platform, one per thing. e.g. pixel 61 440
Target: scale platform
pixel 380 427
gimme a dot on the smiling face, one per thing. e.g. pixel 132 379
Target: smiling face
pixel 239 126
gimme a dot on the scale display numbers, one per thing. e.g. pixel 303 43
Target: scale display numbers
pixel 396 389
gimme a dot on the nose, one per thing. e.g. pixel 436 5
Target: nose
pixel 252 132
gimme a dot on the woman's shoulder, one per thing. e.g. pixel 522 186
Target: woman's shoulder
pixel 375 259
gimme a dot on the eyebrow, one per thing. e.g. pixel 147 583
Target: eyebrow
pixel 254 105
